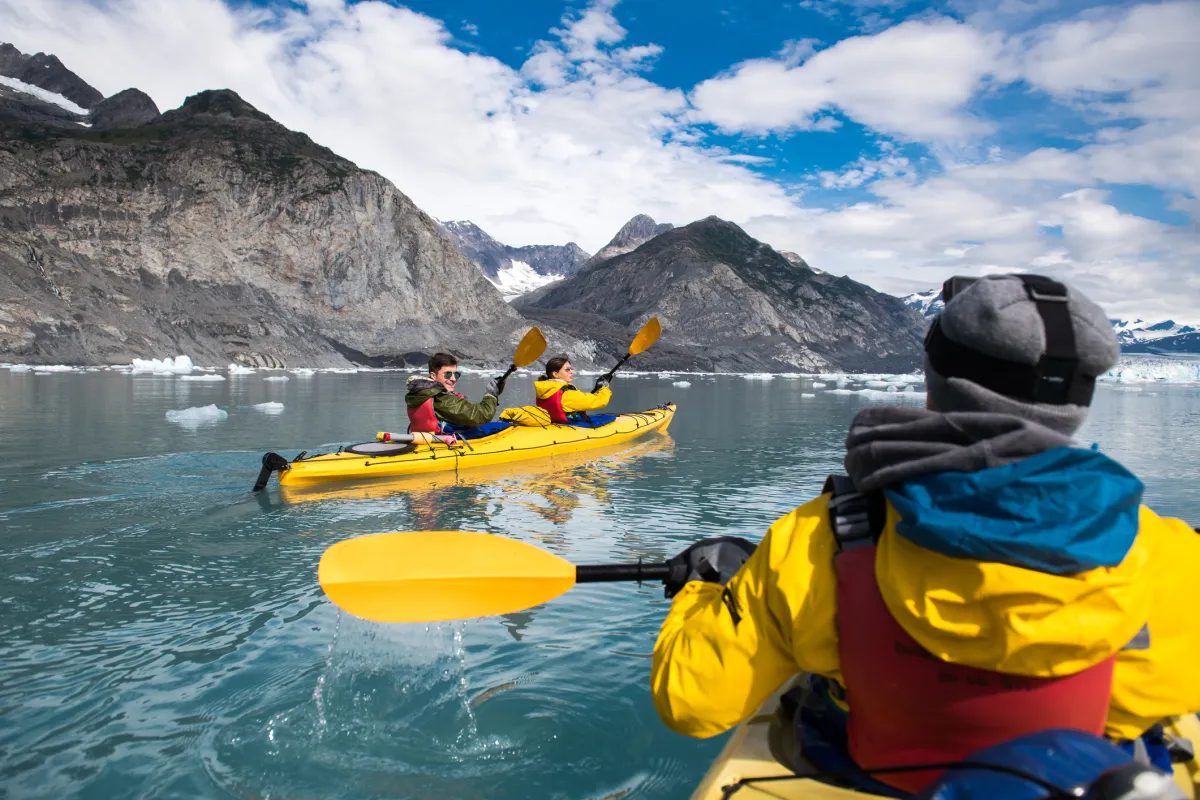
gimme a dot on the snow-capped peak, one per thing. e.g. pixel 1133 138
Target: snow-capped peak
pixel 927 304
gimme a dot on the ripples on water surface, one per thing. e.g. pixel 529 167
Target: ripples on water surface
pixel 166 637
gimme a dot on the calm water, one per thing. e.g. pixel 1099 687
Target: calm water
pixel 164 633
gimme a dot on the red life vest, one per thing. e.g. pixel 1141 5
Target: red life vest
pixel 553 404
pixel 909 707
pixel 423 419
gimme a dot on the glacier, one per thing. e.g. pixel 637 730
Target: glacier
pixel 519 278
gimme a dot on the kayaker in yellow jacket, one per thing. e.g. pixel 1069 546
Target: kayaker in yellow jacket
pixel 1008 576
pixel 558 395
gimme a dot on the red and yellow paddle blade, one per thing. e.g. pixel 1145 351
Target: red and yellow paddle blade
pixel 434 576
pixel 532 345
pixel 647 336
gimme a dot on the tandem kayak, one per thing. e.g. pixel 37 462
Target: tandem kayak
pixel 373 460
pixel 762 747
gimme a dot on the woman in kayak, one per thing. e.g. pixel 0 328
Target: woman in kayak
pixel 559 397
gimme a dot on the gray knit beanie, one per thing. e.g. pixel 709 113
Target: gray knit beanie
pixel 995 316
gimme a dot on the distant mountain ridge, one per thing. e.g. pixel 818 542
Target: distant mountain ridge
pixel 1135 336
pixel 728 301
pixel 514 270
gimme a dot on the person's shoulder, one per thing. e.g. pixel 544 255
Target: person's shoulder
pixel 1151 522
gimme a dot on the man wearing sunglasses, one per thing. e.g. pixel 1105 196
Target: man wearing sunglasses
pixel 433 400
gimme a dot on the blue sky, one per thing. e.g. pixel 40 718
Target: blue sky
pixel 894 142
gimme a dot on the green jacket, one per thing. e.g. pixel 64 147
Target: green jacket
pixel 450 406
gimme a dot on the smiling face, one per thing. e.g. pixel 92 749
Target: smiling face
pixel 566 373
pixel 447 376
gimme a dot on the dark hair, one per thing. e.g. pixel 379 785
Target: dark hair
pixel 440 360
pixel 554 365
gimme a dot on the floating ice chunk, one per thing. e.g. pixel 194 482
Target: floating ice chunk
pixel 53 368
pixel 818 385
pixel 196 416
pixel 20 368
pixel 807 394
pixel 238 369
pixel 269 408
pixel 177 364
pixel 877 384
pixel 303 372
pixel 340 370
pixel 758 376
pixel 165 374
pixel 276 378
pixel 681 384
pixel 202 378
pixel 43 373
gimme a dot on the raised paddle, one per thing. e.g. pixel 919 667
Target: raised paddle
pixel 532 345
pixel 435 576
pixel 647 336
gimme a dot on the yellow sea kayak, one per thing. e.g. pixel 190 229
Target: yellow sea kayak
pixel 378 460
pixel 761 747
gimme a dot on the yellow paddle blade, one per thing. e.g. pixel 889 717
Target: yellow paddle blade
pixel 531 348
pixel 434 576
pixel 647 336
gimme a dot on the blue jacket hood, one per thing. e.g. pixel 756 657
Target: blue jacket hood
pixel 1063 511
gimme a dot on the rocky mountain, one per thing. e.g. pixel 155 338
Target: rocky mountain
pixel 633 234
pixel 213 230
pixel 515 270
pixel 729 302
pixel 1164 338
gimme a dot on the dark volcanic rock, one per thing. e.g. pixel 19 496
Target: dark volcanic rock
pixel 633 234
pixel 127 109
pixel 728 301
pixel 47 72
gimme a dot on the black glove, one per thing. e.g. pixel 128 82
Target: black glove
pixel 601 381
pixel 493 388
pixel 499 382
pixel 712 560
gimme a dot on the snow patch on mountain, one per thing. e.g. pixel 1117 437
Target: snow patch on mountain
pixel 927 304
pixel 43 95
pixel 1130 331
pixel 519 278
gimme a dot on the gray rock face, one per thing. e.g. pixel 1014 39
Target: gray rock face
pixel 492 256
pixel 128 109
pixel 729 302
pixel 216 232
pixel 551 259
pixel 633 234
pixel 47 72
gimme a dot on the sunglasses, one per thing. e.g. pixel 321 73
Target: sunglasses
pixel 451 375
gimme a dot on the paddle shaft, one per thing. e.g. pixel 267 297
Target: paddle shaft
pixel 599 573
pixel 608 376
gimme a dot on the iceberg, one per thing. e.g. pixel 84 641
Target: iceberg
pixel 276 378
pixel 807 394
pixel 202 378
pixel 238 369
pixel 758 376
pixel 681 384
pixel 196 416
pixel 177 364
pixel 269 408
